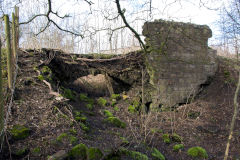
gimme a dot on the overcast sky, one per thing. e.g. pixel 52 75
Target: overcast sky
pixel 136 13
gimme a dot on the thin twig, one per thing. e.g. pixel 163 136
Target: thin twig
pixel 233 118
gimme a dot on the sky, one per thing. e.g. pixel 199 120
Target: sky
pixel 136 12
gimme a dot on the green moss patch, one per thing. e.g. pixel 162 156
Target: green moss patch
pixel 73 131
pixel 94 154
pixel 78 152
pixel 89 106
pixel 61 137
pixel 133 154
pixel 116 122
pixel 102 102
pixel 131 109
pixel 19 132
pixel 21 152
pixel 84 127
pixel 178 147
pixel 107 113
pixel 81 119
pixel 166 138
pixel 124 140
pixel 83 97
pixel 157 154
pixel 176 138
pixel 64 136
pixel 197 152
pixel 68 93
pixel 115 96
pixel 40 77
pixel 116 109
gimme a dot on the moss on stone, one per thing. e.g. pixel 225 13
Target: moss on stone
pixel 61 137
pixel 46 70
pixel 115 96
pixel 197 152
pixel 40 77
pixel 124 140
pixel 116 122
pixel 83 97
pixel 78 152
pixel 73 139
pixel 67 93
pixel 178 147
pixel 116 109
pixel 107 113
pixel 81 119
pixel 21 152
pixel 131 109
pixel 114 102
pixel 89 106
pixel 133 154
pixel 94 154
pixel 166 138
pixel 36 150
pixel 156 130
pixel 176 138
pixel 19 132
pixel 157 154
pixel 73 131
pixel 84 127
pixel 102 102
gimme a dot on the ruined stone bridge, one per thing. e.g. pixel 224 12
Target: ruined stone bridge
pixel 177 64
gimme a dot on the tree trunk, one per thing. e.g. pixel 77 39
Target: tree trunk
pixel 17 25
pixel 14 40
pixel 9 54
pixel 235 103
pixel 1 100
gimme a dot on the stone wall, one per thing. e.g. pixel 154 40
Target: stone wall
pixel 179 60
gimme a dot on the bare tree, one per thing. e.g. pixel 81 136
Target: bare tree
pixel 230 26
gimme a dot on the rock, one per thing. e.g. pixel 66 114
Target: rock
pixel 60 155
pixel 208 129
pixel 178 61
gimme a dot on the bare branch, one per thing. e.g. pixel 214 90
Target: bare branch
pixel 47 15
pixel 42 30
pixel 34 17
pixel 121 13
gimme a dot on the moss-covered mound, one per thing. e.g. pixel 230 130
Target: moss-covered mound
pixel 78 152
pixel 19 132
pixel 197 152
